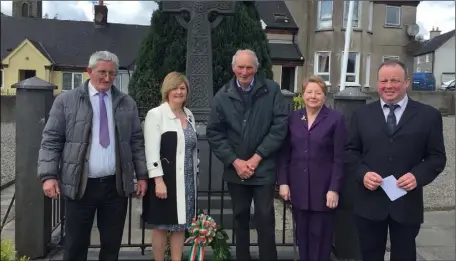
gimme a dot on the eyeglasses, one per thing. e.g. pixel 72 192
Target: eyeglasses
pixel 103 73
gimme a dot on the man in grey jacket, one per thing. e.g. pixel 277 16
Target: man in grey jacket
pixel 247 125
pixel 92 151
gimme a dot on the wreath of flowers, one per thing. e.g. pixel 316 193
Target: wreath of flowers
pixel 202 233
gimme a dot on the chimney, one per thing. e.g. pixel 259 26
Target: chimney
pixel 434 32
pixel 101 15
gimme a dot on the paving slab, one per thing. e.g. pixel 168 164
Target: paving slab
pixel 7 195
pixel 436 240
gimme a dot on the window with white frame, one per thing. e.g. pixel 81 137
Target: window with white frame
pixel 356 13
pixel 418 69
pixel 371 16
pixel 352 75
pixel 393 15
pixel 325 14
pixel 418 60
pixel 281 41
pixel 122 80
pixel 368 68
pixel 322 65
pixel 118 81
pixel 71 80
pixel 428 58
pixel 390 57
pixel 288 78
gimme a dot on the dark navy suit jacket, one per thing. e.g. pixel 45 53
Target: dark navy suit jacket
pixel 311 160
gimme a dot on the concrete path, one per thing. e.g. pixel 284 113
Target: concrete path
pixel 436 240
pixel 8 229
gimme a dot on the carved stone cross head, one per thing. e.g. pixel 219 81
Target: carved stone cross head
pixel 200 9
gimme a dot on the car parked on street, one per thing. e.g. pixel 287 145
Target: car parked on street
pixel 448 86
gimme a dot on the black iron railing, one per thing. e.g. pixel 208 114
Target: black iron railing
pixel 207 195
pixel 135 223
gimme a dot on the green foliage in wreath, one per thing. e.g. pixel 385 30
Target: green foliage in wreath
pixel 220 247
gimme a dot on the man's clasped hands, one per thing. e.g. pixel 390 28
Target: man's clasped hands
pixel 246 168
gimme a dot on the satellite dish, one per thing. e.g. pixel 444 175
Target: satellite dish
pixel 413 30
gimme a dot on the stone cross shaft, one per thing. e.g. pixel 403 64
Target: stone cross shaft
pixel 199 48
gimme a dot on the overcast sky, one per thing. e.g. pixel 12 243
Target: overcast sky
pixel 430 13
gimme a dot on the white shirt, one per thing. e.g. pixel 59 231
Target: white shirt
pixel 398 112
pixel 102 161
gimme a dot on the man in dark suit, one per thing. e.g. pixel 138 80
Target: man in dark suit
pixel 400 137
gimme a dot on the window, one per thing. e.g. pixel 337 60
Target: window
pixel 26 74
pixel 390 57
pixel 418 69
pixel 368 68
pixel 428 58
pixel 281 18
pixel 356 11
pixel 352 75
pixel 1 80
pixel 288 81
pixel 322 65
pixel 280 41
pixel 325 14
pixel 418 60
pixel 371 16
pixel 393 15
pixel 121 82
pixel 71 80
pixel 25 10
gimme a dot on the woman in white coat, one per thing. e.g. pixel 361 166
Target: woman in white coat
pixel 171 154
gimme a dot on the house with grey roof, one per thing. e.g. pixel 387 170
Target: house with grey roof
pixel 281 31
pixel 58 50
pixel 437 56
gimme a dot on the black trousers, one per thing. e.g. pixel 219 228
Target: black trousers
pixel 263 198
pixel 373 237
pixel 100 196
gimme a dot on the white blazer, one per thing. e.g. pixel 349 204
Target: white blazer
pixel 162 129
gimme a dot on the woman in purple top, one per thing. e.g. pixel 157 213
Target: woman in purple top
pixel 311 170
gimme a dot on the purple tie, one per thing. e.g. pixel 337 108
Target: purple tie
pixel 104 131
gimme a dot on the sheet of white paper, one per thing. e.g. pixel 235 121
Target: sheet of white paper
pixel 391 189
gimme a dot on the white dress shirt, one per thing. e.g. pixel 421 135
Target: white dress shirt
pixel 398 112
pixel 102 161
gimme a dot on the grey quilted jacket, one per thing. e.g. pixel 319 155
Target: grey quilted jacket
pixel 66 140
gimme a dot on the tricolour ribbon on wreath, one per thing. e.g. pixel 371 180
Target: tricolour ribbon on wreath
pixel 202 232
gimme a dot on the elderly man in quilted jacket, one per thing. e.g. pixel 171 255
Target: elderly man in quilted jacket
pixel 247 126
pixel 91 153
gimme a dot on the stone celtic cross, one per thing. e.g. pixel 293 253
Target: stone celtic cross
pixel 199 48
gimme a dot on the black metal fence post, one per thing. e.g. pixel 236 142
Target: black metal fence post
pixel 34 99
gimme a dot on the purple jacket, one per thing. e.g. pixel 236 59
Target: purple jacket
pixel 311 161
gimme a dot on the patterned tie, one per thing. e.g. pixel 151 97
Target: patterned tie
pixel 391 119
pixel 104 131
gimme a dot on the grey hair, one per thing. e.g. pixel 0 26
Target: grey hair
pixel 103 56
pixel 252 53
